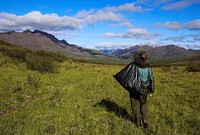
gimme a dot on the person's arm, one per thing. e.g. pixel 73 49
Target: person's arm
pixel 152 84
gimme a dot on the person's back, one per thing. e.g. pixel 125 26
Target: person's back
pixel 145 72
pixel 146 76
pixel 138 102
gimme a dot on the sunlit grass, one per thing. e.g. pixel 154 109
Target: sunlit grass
pixel 70 101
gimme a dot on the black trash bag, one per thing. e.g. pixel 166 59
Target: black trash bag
pixel 129 78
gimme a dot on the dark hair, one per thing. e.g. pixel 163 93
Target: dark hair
pixel 143 54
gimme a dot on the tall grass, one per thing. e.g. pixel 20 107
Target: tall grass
pixel 39 60
pixel 84 98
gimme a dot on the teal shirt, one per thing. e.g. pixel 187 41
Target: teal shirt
pixel 143 72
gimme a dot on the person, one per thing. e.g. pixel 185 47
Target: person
pixel 139 101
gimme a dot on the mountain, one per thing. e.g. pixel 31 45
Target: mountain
pixel 40 40
pixel 157 53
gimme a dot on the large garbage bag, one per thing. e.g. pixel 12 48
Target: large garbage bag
pixel 129 78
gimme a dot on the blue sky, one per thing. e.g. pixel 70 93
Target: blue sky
pixel 108 24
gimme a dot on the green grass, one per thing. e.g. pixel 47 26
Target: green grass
pixel 83 98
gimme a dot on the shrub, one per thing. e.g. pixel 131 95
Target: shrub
pixel 15 53
pixel 40 60
pixel 193 68
pixel 41 63
pixel 56 56
pixel 18 54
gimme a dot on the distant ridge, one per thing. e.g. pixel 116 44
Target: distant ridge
pixel 157 53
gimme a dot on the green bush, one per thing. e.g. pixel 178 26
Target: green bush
pixel 40 60
pixel 193 68
pixel 41 63
pixel 56 56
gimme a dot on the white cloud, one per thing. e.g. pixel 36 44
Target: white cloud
pixel 184 38
pixel 168 4
pixel 53 22
pixel 152 43
pixel 192 25
pixel 113 45
pixel 171 25
pixel 175 38
pixel 124 24
pixel 134 33
pixel 101 15
pixel 84 13
pixel 138 33
pixel 153 2
pixel 180 4
pixel 129 7
pixel 189 45
pixel 112 35
pixel 36 20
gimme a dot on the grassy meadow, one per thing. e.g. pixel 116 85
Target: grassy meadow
pixel 84 99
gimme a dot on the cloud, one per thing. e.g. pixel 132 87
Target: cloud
pixel 84 13
pixel 139 33
pixel 189 45
pixel 175 38
pixel 112 35
pixel 101 15
pixel 134 33
pixel 152 43
pixel 124 24
pixel 171 25
pixel 36 20
pixel 53 22
pixel 180 4
pixel 153 3
pixel 184 38
pixel 113 46
pixel 168 4
pixel 192 25
pixel 129 7
pixel 196 37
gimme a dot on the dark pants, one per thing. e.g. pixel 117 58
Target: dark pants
pixel 139 108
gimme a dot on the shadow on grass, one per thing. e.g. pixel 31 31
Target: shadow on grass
pixel 113 107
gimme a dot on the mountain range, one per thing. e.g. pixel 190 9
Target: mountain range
pixel 155 53
pixel 40 40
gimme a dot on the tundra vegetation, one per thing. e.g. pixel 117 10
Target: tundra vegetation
pixel 47 93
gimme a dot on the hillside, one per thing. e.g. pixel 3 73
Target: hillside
pixel 40 40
